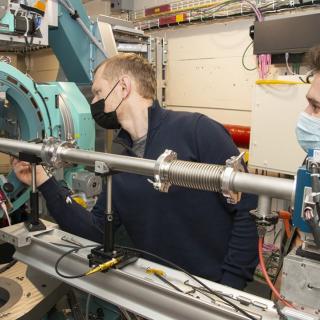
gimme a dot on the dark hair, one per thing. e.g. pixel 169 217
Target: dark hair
pixel 313 59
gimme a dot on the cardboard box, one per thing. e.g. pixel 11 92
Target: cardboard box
pixel 4 163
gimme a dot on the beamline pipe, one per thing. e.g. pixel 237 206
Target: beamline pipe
pixel 181 173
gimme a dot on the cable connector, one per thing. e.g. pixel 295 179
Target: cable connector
pixel 104 266
pixel 75 15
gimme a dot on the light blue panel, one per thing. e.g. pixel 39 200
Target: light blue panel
pixel 71 45
pixel 7 23
pixel 81 115
pixel 27 105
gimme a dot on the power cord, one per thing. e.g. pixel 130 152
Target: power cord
pixel 192 277
pixel 243 56
pixel 73 250
pixel 133 250
pixel 45 105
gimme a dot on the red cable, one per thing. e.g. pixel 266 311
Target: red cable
pixel 265 274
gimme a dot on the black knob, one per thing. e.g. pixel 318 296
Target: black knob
pixel 8 187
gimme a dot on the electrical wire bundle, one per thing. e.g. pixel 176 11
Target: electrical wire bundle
pixel 263 60
pixel 234 9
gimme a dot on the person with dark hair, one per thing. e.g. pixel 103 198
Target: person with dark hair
pixel 197 230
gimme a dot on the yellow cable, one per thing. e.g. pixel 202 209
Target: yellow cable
pixel 277 82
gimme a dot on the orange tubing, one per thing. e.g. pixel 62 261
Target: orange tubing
pixel 265 274
pixel 286 217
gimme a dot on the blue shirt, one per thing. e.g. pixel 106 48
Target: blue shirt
pixel 197 230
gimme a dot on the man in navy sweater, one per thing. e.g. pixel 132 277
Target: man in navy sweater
pixel 197 230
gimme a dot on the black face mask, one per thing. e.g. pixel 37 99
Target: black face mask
pixel 107 120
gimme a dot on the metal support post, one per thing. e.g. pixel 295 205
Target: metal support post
pixel 108 244
pixel 34 223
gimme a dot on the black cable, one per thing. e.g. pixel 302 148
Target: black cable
pixel 277 235
pixel 66 254
pixel 45 105
pixel 73 250
pixel 191 276
pixel 8 266
pixel 243 56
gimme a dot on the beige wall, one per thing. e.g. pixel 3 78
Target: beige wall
pixel 96 7
pixel 42 65
pixel 205 72
pixel 142 4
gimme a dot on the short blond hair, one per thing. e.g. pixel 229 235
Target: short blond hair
pixel 134 65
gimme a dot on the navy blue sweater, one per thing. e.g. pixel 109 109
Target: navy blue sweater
pixel 198 230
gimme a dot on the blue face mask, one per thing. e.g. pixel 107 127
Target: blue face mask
pixel 308 131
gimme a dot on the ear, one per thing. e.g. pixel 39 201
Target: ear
pixel 125 86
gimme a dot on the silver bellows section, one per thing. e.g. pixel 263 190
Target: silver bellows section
pixel 195 175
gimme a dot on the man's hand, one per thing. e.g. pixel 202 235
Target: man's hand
pixel 22 170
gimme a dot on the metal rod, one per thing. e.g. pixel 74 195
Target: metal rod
pixel 108 234
pixel 269 186
pixel 109 193
pixel 34 177
pixel 264 205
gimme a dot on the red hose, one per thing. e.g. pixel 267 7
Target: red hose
pixel 239 134
pixel 266 276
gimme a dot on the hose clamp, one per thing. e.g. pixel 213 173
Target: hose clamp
pixel 161 171
pixel 233 165
pixel 52 149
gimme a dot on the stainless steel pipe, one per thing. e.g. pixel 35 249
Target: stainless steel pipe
pixel 114 162
pixel 180 173
pixel 13 147
pixel 269 186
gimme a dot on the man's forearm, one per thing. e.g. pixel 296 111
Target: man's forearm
pixel 70 216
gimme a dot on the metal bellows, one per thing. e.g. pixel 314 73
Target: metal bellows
pixel 195 175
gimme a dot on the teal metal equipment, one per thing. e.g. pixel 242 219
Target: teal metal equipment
pixel 7 23
pixel 70 43
pixel 35 111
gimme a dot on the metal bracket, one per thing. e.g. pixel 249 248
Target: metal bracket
pixel 234 164
pixel 19 236
pixel 309 205
pixel 101 168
